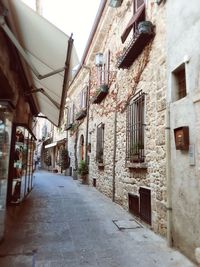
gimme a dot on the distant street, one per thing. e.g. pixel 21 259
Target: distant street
pixel 63 223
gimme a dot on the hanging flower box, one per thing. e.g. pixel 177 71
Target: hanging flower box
pixel 101 93
pixel 136 45
pixel 68 126
pixel 81 114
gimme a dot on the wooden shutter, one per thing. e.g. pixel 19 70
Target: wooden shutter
pixel 129 27
pixel 100 143
pixel 68 116
pixel 106 67
pixel 145 204
pixel 80 99
pixel 73 112
pixel 138 4
pixel 84 97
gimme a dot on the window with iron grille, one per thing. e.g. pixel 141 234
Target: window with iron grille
pixel 100 143
pixel 135 129
pixel 103 71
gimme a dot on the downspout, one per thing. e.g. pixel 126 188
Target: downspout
pixel 168 176
pixel 114 153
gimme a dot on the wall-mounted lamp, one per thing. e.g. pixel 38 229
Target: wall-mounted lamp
pixel 115 3
pixel 99 59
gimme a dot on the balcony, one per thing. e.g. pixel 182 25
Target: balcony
pixel 81 114
pixel 136 45
pixel 100 94
pixel 68 126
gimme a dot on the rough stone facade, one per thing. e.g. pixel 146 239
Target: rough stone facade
pixel 146 74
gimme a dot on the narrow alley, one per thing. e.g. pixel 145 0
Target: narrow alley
pixel 65 223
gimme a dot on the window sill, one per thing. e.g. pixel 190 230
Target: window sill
pixel 140 165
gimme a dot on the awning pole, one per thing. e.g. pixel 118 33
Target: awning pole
pixel 42 91
pixel 66 77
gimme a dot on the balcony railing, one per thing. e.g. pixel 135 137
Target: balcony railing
pixel 100 94
pixel 81 114
pixel 134 48
pixel 68 126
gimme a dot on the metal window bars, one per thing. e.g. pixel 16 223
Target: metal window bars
pixel 135 129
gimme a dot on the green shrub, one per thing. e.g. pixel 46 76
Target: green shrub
pixel 82 168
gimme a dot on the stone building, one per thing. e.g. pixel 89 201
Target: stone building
pixel 116 109
pixel 133 114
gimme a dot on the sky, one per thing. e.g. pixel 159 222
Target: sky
pixel 71 16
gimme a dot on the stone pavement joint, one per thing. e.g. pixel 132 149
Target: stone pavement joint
pixel 66 224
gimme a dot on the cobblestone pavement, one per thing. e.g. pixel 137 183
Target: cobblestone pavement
pixel 64 223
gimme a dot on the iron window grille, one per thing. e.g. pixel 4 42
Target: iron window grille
pixel 100 143
pixel 135 129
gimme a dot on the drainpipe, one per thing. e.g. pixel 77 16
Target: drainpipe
pixel 114 153
pixel 168 176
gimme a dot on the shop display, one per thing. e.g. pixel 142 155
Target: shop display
pixel 23 166
pixel 5 139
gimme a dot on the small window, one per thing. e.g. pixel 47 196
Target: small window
pixel 179 85
pixel 135 129
pixel 100 143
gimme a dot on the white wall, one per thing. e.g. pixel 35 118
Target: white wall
pixel 183 27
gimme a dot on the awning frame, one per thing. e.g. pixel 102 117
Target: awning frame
pixel 52 92
pixel 23 52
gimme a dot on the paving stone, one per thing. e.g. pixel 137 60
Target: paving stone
pixel 72 226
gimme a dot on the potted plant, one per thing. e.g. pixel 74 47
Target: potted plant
pixel 83 170
pixel 145 27
pixel 100 94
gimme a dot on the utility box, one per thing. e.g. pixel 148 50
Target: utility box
pixel 181 136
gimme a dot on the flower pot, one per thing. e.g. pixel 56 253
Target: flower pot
pixel 101 93
pixel 145 27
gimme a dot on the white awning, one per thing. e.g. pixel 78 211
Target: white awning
pixel 51 145
pixel 46 49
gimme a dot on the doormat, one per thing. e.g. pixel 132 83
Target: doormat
pixel 126 224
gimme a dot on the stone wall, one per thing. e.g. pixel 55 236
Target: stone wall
pixel 148 73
